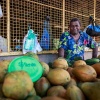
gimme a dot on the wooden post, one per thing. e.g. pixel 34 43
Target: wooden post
pixel 8 23
pixel 94 12
pixel 94 9
pixel 63 27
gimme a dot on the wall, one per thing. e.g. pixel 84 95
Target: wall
pixel 49 57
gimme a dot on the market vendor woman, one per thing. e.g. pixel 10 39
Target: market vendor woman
pixel 72 42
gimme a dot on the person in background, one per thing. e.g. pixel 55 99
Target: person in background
pixel 48 27
pixel 72 43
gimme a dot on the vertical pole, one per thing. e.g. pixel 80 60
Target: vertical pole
pixel 94 12
pixel 94 9
pixel 63 28
pixel 8 23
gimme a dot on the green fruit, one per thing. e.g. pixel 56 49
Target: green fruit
pixel 92 61
pixel 77 58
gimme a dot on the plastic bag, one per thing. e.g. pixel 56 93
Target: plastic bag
pixel 30 43
pixel 45 40
pixel 1 14
pixel 93 30
pixel 29 40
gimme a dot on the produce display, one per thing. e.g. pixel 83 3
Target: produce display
pixel 58 81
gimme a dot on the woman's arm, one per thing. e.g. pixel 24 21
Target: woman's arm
pixel 94 52
pixel 60 52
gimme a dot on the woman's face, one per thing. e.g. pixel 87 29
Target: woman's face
pixel 74 27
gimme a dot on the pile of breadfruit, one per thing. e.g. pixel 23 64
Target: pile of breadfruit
pixel 58 81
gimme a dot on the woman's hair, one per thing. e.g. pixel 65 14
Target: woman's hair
pixel 75 19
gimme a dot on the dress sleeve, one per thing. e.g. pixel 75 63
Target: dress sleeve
pixel 89 42
pixel 63 41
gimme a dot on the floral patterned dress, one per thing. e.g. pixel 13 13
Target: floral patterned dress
pixel 73 49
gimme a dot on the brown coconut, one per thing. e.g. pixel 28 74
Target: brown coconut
pixel 58 76
pixel 45 68
pixel 84 73
pixel 60 63
pixel 41 86
pixel 57 91
pixel 3 69
pixel 74 93
pixel 78 63
pixel 97 68
pixel 17 85
pixel 52 98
